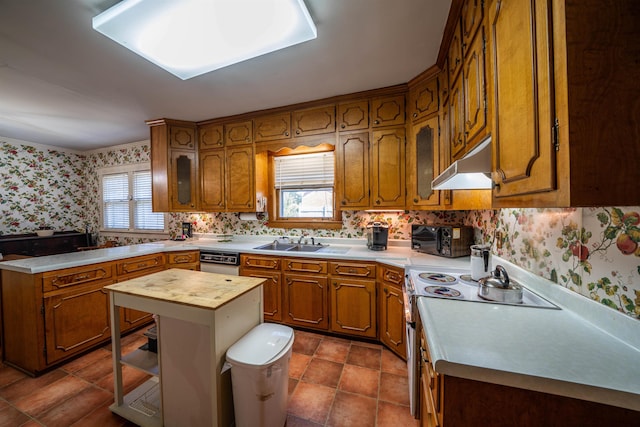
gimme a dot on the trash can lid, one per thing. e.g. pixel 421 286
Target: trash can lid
pixel 261 345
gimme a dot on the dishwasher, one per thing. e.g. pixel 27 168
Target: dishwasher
pixel 220 262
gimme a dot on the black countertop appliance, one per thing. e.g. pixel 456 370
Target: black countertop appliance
pixel 377 236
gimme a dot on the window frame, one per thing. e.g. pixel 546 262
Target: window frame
pixel 275 220
pixel 129 170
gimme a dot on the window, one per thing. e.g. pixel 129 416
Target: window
pixel 126 200
pixel 303 189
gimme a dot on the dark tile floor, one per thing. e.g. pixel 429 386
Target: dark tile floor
pixel 332 382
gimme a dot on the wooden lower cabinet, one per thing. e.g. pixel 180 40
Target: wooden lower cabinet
pixel 391 316
pixel 305 301
pixel 266 267
pixel 76 319
pixel 353 306
pixel 186 260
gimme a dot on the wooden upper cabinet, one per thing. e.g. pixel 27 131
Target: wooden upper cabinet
pixel 212 180
pixel 387 168
pixel 182 137
pixel 238 133
pixel 210 136
pixel 240 179
pixel 314 121
pixel 387 111
pixel 423 99
pixel 173 166
pixel 353 115
pixel 273 127
pixel 475 98
pixel 443 85
pixel 454 59
pixel 456 119
pixel 423 164
pixel 470 20
pixel 352 171
pixel 523 112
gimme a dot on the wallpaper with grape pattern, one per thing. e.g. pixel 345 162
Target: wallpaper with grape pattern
pixel 592 251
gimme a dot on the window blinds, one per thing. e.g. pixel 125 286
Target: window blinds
pixel 305 170
pixel 115 197
pixel 144 218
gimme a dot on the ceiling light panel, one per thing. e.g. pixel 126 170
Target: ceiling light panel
pixel 192 37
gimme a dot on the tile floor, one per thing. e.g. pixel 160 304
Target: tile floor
pixel 332 382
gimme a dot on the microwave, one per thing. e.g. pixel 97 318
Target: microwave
pixel 443 240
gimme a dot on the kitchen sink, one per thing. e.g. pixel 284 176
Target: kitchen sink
pixel 290 247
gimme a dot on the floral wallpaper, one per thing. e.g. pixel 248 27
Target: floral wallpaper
pixel 595 252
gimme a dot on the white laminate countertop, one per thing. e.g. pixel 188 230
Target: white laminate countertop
pixel 399 253
pixel 585 350
pixel 186 287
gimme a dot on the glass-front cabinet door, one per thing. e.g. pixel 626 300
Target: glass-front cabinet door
pixel 183 180
pixel 423 163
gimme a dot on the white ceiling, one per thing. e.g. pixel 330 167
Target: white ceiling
pixel 63 84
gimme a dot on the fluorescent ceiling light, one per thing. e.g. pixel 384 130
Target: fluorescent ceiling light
pixel 193 37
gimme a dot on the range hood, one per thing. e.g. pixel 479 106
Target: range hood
pixel 472 172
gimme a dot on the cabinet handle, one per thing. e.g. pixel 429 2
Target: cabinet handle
pixel 297 131
pixel 376 122
pixel 385 290
pixel 378 202
pixel 286 133
pixel 457 61
pixel 415 115
pixel 344 202
pixel 415 200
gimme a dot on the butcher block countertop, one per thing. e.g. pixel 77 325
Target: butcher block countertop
pixel 187 287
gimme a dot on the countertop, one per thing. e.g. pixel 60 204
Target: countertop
pixel 399 253
pixel 186 287
pixel 585 350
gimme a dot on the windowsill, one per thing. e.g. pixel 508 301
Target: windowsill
pixel 137 232
pixel 302 223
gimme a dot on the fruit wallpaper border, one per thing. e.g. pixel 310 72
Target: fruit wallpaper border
pixel 592 251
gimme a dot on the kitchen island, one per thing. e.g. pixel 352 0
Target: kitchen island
pixel 199 316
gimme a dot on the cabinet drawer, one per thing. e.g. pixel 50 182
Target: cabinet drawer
pixel 183 257
pixel 392 275
pixel 349 269
pixel 305 265
pixel 60 279
pixel 139 264
pixel 263 262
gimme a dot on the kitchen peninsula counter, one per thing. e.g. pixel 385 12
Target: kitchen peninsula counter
pixel 584 350
pixel 199 316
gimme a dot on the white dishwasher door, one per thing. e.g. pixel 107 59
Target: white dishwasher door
pixel 210 267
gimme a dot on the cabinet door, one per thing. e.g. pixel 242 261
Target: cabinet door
pixel 212 168
pixel 387 168
pixel 454 59
pixel 353 306
pixel 443 85
pixel 240 179
pixel 238 133
pixel 456 120
pixel 305 301
pixel 271 292
pixel 475 98
pixel 423 163
pixel 352 172
pixel 314 121
pixel 182 137
pixel 183 181
pixel 211 136
pixel 392 318
pixel 76 320
pixel 470 21
pixel 353 115
pixel 423 99
pixel 274 127
pixel 387 111
pixel 524 157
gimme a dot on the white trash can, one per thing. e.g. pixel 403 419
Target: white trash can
pixel 260 375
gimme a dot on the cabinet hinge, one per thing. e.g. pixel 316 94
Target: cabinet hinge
pixel 556 136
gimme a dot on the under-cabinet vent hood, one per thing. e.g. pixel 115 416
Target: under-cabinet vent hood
pixel 472 172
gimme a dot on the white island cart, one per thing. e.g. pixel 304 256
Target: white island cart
pixel 199 316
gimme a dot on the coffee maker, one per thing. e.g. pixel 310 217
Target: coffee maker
pixel 377 236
